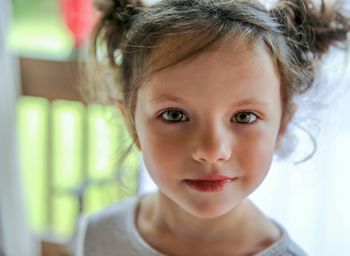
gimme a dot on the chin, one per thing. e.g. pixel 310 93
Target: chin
pixel 207 211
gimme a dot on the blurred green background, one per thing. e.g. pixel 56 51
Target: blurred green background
pixel 69 152
pixel 38 30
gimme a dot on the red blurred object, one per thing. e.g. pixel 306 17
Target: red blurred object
pixel 79 17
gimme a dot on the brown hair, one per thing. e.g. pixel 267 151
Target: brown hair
pixel 295 32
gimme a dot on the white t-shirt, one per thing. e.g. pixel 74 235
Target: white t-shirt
pixel 112 232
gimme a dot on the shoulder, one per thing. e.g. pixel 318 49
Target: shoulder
pixel 108 229
pixel 284 246
pixel 113 215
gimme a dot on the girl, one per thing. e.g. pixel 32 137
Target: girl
pixel 207 92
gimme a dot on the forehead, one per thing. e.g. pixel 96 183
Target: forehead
pixel 228 71
pixel 185 47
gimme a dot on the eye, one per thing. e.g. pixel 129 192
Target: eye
pixel 244 118
pixel 174 116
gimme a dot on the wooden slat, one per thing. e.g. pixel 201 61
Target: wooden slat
pixel 50 79
pixel 53 248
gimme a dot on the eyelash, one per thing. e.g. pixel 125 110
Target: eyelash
pixel 161 115
pixel 256 117
pixel 183 114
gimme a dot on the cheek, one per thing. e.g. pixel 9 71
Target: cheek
pixel 256 155
pixel 163 150
pixel 162 140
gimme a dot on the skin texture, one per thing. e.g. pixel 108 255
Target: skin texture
pixel 210 94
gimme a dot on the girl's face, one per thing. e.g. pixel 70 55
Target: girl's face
pixel 208 127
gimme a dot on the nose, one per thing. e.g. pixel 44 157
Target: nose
pixel 212 145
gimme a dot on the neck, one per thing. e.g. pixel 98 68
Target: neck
pixel 172 219
pixel 168 228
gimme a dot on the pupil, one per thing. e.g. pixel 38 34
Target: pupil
pixel 174 115
pixel 244 117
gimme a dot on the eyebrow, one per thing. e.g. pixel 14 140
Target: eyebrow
pixel 167 97
pixel 250 101
pixel 244 102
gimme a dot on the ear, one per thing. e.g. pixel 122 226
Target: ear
pixel 286 119
pixel 126 118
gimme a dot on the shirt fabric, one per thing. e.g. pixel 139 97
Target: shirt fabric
pixel 113 232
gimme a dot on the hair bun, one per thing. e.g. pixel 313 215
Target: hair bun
pixel 120 11
pixel 124 11
pixel 311 29
pixel 116 20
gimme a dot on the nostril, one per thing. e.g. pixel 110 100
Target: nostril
pixel 212 155
pixel 213 144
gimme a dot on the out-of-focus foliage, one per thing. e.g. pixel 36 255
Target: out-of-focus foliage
pixel 38 30
pixel 70 158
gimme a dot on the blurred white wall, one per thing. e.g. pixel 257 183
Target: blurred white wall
pixel 15 237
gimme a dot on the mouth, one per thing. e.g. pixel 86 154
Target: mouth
pixel 215 183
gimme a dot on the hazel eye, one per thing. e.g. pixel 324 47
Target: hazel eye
pixel 174 116
pixel 244 118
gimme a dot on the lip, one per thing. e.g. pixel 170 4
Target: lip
pixel 214 177
pixel 211 183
